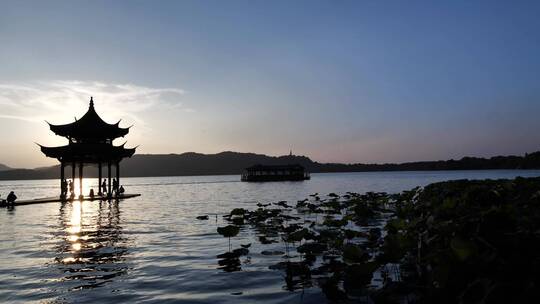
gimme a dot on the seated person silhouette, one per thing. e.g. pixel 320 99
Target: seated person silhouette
pixel 91 193
pixel 121 190
pixel 11 198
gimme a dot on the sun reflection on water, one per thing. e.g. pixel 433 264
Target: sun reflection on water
pixel 75 220
pixel 87 184
pixel 93 247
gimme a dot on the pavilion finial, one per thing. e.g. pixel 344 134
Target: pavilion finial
pixel 91 102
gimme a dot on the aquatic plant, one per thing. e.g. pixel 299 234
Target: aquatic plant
pixel 468 241
pixel 228 232
pixel 450 242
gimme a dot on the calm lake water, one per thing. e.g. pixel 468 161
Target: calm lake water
pixel 153 249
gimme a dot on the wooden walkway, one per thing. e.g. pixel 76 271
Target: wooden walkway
pixel 57 199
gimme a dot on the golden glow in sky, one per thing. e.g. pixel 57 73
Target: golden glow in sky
pixel 338 81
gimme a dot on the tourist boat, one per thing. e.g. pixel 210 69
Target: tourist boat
pixel 262 173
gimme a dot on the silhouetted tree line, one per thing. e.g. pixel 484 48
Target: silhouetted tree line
pixel 234 163
pixel 529 161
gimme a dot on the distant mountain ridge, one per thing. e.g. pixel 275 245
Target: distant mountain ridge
pixel 191 163
pixel 4 167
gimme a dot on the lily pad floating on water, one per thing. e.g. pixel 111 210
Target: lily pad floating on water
pixel 238 211
pixel 335 223
pixel 351 234
pixel 312 248
pixel 238 220
pixel 354 254
pixel 283 204
pixel 228 231
pixel 292 228
pixel 297 236
pixel 357 276
pixel 265 241
pixel 272 252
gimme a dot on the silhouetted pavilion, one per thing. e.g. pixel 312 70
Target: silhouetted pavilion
pixel 90 142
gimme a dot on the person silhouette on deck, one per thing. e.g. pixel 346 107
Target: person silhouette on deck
pixel 11 198
pixel 71 187
pixel 121 190
pixel 104 186
pixel 115 186
pixel 64 188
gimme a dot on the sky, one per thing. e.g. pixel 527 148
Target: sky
pixel 338 81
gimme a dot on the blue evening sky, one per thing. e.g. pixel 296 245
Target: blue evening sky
pixel 339 81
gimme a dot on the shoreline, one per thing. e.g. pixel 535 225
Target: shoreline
pixel 227 163
pixel 316 173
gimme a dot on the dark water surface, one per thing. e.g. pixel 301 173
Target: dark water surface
pixel 153 249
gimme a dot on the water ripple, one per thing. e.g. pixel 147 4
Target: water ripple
pixel 152 249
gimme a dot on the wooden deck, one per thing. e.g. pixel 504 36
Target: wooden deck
pixel 57 199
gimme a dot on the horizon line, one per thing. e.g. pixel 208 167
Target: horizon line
pixel 294 155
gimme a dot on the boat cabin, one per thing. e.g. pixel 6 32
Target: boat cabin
pixel 266 173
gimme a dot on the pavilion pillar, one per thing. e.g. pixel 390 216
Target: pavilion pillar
pixel 99 179
pixel 71 186
pixel 117 176
pixel 80 180
pixel 109 181
pixel 62 165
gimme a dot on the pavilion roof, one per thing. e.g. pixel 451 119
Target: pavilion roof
pixel 90 127
pixel 88 152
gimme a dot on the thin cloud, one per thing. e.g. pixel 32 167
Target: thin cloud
pixel 29 119
pixel 55 100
